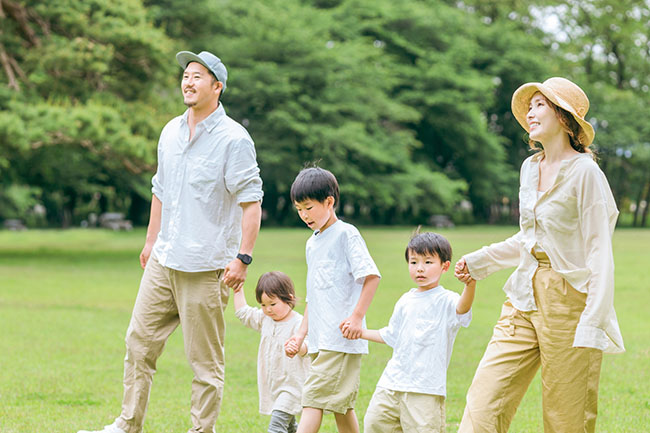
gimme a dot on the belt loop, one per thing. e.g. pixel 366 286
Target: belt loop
pixel 565 287
pixel 511 322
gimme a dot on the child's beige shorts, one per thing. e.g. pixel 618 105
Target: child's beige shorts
pixel 333 381
pixel 396 411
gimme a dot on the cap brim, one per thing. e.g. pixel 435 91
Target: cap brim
pixel 185 57
pixel 521 102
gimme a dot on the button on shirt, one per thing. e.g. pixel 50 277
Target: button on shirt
pixel 201 183
pixel 573 222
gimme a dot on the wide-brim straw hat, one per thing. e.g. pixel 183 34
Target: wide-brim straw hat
pixel 561 92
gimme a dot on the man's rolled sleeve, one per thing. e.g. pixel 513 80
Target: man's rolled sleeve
pixel 242 173
pixel 156 187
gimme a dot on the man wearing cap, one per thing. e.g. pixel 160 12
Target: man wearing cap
pixel 205 217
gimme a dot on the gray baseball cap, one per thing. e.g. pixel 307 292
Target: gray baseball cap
pixel 207 59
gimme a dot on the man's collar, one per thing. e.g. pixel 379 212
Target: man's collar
pixel 212 120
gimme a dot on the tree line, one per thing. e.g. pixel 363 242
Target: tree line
pixel 408 102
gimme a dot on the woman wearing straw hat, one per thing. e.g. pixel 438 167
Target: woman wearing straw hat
pixel 559 313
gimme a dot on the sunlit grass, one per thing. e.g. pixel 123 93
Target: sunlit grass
pixel 66 298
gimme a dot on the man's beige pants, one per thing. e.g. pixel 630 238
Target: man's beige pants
pixel 521 342
pixel 167 298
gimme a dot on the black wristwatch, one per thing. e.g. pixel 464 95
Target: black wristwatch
pixel 245 258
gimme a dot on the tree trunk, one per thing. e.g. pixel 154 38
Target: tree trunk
pixel 637 211
pixel 644 218
pixel 620 66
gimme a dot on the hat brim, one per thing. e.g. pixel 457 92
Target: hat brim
pixel 185 57
pixel 521 102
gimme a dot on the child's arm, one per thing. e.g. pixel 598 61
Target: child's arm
pixel 248 316
pixel 295 344
pixel 466 299
pixel 367 334
pixel 352 326
pixel 372 335
pixel 239 299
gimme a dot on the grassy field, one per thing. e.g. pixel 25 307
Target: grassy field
pixel 66 298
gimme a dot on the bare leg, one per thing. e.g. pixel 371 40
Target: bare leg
pixel 310 420
pixel 347 423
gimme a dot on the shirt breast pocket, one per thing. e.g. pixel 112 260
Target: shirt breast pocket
pixel 324 274
pixel 203 178
pixel 425 330
pixel 561 214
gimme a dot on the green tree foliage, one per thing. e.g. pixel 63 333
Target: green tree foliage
pixel 389 96
pixel 607 46
pixel 80 109
pixel 449 65
pixel 408 103
pixel 316 94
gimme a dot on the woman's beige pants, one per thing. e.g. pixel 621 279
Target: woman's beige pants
pixel 167 298
pixel 521 342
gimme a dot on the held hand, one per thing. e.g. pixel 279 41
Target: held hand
pixel 292 345
pixel 145 254
pixel 291 349
pixel 465 278
pixel 461 265
pixel 461 271
pixel 351 328
pixel 234 274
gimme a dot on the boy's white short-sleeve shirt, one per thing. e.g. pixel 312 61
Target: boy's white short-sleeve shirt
pixel 338 263
pixel 421 332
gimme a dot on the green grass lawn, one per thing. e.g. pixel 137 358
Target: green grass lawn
pixel 66 298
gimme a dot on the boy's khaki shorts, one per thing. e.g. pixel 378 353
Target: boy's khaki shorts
pixel 332 383
pixel 396 411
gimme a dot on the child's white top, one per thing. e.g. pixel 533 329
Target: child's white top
pixel 421 332
pixel 279 378
pixel 338 263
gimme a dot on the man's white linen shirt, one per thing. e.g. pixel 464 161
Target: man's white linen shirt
pixel 279 378
pixel 338 263
pixel 573 222
pixel 201 183
pixel 421 332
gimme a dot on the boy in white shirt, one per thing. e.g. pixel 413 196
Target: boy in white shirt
pixel 410 395
pixel 341 281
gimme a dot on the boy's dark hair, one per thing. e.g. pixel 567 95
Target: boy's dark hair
pixel 429 244
pixel 314 183
pixel 276 284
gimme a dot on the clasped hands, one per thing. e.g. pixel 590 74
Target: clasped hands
pixel 351 328
pixel 462 272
